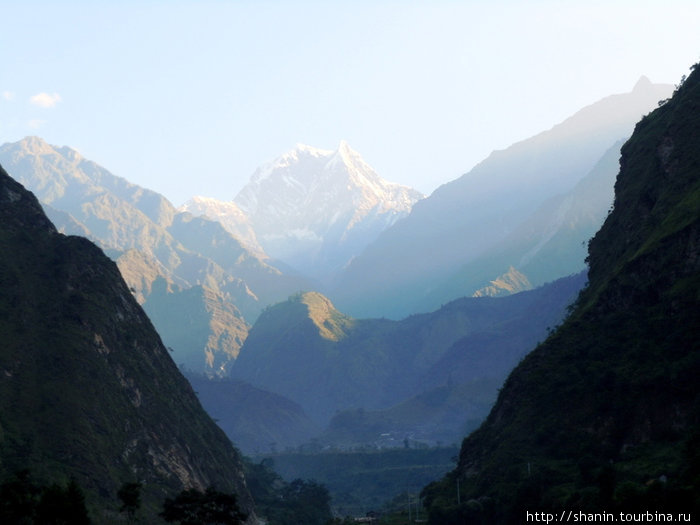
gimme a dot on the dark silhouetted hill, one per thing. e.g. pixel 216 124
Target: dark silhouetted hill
pixel 605 414
pixel 87 389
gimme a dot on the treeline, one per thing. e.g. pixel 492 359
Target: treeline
pixel 286 503
pixel 360 482
pixel 25 501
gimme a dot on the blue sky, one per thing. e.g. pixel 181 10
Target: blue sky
pixel 188 98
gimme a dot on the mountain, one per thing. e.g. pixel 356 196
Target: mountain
pixel 434 417
pixel 151 241
pixel 315 209
pixel 508 283
pixel 198 317
pixel 87 389
pixel 464 218
pixel 257 421
pixel 605 414
pixel 229 215
pixel 308 351
pixel 551 241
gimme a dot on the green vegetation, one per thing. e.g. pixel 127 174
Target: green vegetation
pixel 307 351
pixel 211 507
pixel 23 501
pixel 605 414
pixel 365 480
pixel 130 496
pixel 87 390
pixel 287 503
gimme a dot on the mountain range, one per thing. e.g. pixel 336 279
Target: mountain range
pixel 204 273
pixel 87 389
pixel 327 362
pixel 313 209
pixel 552 241
pixel 157 249
pixel 399 273
pixel 604 414
pixel 257 421
pixel 221 281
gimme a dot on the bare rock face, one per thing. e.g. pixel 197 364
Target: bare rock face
pixel 229 214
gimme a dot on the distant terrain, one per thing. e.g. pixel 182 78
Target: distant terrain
pixel 604 414
pixel 464 223
pixel 431 375
pixel 540 310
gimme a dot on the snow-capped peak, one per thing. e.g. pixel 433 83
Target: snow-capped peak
pixel 287 159
pixel 324 194
pixel 345 155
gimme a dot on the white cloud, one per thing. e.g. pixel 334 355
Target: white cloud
pixel 8 95
pixel 45 100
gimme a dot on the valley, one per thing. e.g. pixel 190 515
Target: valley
pixel 342 343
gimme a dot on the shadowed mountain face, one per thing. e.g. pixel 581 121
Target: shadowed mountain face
pixel 154 244
pixel 87 389
pixel 552 241
pixel 325 361
pixel 605 414
pixel 257 421
pixel 463 219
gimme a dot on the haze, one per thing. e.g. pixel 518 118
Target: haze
pixel 189 98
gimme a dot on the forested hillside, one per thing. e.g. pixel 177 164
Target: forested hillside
pixel 605 414
pixel 88 392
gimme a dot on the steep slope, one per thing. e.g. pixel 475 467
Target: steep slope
pixel 210 240
pixel 605 415
pixel 197 317
pixel 466 217
pixel 315 209
pixel 308 351
pixel 150 240
pixel 257 421
pixel 434 417
pixel 550 243
pixel 87 389
pixel 229 215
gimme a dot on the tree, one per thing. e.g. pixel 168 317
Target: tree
pixel 305 502
pixel 18 499
pixel 130 495
pixel 192 507
pixel 62 506
pixel 24 502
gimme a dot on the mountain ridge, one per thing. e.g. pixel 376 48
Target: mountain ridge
pixel 604 413
pixel 87 389
pixel 326 361
pixel 314 209
pixel 151 240
pixel 551 241
pixel 439 236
